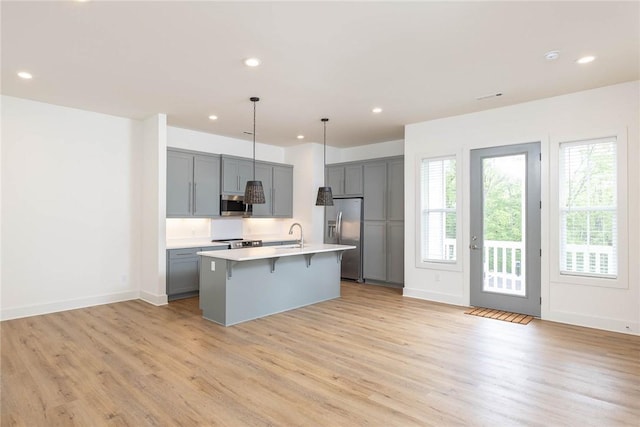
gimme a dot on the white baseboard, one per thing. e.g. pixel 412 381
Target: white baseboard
pixel 604 323
pixel 153 299
pixel 434 296
pixel 53 307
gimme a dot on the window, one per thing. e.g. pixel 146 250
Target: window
pixel 438 217
pixel 589 208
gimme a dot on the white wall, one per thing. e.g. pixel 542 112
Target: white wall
pixel 308 175
pixel 210 143
pixel 70 208
pixel 153 263
pixel 365 152
pixel 578 115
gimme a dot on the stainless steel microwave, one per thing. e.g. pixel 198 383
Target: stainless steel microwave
pixel 233 205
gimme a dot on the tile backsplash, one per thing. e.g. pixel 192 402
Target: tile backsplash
pixel 186 228
pixel 226 228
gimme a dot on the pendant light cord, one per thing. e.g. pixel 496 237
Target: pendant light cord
pixel 254 140
pixel 324 156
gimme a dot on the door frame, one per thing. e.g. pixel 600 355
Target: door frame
pixel 531 303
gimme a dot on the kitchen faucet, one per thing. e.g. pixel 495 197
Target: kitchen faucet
pixel 301 235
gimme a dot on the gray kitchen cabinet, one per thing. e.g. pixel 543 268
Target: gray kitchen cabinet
pixel 384 190
pixel 235 174
pixel 193 184
pixel 179 184
pixel 264 173
pixel 353 180
pixel 277 182
pixel 206 186
pixel 395 251
pixel 395 190
pixel 335 179
pixel 283 191
pixel 345 180
pixel 374 255
pixel 384 221
pixel 375 191
pixel 183 271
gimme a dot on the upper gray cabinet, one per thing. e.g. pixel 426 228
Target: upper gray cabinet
pixel 345 180
pixel 384 190
pixel 395 190
pixel 193 184
pixel 282 195
pixel 264 173
pixel 375 191
pixel 277 182
pixel 235 174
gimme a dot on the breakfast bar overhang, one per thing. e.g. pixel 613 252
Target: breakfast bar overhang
pixel 243 284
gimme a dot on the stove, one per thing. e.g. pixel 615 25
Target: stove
pixel 240 243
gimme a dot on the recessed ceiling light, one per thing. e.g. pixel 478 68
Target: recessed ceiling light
pixel 252 62
pixel 25 75
pixel 552 55
pixel 586 59
pixel 300 137
pixel 213 117
pixel 377 110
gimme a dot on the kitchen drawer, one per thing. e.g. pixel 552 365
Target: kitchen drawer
pixel 183 253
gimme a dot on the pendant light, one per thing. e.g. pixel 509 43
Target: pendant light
pixel 253 192
pixel 325 196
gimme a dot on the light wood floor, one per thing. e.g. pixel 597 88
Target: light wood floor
pixel 371 357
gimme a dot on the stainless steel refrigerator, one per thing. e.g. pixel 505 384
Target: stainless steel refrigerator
pixel 343 225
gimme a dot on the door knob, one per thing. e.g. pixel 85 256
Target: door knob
pixel 473 246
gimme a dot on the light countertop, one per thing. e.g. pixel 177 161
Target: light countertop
pixel 200 242
pixel 203 242
pixel 267 252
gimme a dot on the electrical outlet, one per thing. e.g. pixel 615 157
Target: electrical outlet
pixel 213 266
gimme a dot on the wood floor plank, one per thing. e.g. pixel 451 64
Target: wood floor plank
pixel 371 357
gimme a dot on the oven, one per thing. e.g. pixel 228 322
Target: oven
pixel 240 243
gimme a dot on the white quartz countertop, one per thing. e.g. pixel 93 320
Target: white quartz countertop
pixel 267 252
pixel 202 242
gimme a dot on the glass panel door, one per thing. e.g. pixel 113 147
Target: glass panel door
pixel 505 228
pixel 504 218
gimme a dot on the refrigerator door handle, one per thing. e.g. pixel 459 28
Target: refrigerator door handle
pixel 339 226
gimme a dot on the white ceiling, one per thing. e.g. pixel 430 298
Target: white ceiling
pixel 416 60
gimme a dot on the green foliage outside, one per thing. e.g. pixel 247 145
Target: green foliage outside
pixel 502 203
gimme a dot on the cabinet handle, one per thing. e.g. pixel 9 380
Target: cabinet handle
pixel 238 182
pixel 195 197
pixel 189 203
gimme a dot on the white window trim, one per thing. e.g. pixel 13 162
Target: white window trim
pixel 433 264
pixel 585 279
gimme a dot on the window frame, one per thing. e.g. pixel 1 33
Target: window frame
pixel 451 265
pixel 557 275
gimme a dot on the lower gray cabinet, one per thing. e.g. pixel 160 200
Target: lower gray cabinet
pixel 395 251
pixel 374 256
pixel 383 254
pixel 183 272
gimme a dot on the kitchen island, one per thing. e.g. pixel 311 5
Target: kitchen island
pixel 237 285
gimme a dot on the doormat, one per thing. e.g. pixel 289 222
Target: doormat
pixel 522 319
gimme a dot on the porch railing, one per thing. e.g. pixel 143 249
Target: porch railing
pixel 505 268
